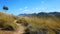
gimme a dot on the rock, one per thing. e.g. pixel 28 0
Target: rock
pixel 9 28
pixel 27 31
pixel 42 31
pixel 57 31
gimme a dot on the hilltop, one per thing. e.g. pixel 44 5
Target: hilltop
pixel 43 22
pixel 40 23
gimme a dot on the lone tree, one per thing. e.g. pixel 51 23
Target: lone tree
pixel 5 8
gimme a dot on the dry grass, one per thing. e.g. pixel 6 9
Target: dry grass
pixel 43 22
pixel 6 32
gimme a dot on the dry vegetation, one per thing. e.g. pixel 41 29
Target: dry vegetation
pixel 49 23
pixel 35 23
pixel 7 22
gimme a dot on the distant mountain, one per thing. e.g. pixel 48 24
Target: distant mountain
pixel 22 14
pixel 42 14
pixel 54 13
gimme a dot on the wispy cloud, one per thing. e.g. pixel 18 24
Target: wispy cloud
pixel 42 2
pixel 20 9
pixel 36 8
pixel 25 7
pixel 26 10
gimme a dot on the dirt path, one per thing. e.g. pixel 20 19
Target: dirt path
pixel 20 29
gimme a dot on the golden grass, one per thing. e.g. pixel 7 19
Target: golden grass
pixel 43 22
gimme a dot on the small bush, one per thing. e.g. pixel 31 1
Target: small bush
pixel 23 22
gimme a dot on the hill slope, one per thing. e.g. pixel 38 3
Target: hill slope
pixel 48 23
pixel 41 23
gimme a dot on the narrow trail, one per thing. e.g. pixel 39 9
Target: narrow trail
pixel 20 29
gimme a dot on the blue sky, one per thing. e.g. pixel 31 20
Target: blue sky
pixel 30 6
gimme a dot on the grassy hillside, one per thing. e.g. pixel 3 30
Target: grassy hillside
pixel 7 20
pixel 50 23
pixel 37 23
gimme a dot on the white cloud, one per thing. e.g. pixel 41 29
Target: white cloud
pixel 26 10
pixel 42 2
pixel 20 9
pixel 25 7
pixel 36 8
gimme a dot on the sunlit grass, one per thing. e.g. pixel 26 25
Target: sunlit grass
pixel 50 23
